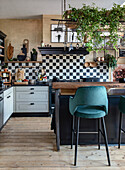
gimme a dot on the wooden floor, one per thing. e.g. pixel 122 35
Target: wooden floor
pixel 29 144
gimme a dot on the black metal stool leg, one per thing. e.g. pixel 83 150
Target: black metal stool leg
pixel 120 126
pixel 72 132
pixel 105 139
pixel 77 139
pixel 99 133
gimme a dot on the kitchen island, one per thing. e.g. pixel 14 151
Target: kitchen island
pixel 63 119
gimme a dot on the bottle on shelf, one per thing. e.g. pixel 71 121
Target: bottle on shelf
pixel 42 44
pixel 77 46
pixel 70 47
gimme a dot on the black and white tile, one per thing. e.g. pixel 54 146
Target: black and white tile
pixel 63 67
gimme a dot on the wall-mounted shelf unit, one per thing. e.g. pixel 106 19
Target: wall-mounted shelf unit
pixel 60 50
pixel 6 76
pixel 2 45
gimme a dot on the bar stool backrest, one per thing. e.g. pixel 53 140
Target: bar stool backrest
pixel 90 95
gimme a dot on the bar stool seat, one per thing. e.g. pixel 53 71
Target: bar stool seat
pixel 88 111
pixel 89 102
pixel 122 111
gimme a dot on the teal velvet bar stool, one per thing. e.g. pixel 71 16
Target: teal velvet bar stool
pixel 91 103
pixel 122 110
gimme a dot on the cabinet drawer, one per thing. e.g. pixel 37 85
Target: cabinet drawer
pixel 31 96
pixel 32 107
pixel 31 88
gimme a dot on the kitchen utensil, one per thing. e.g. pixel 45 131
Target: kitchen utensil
pixel 10 51
pixel 32 81
pixel 19 75
pixel 21 83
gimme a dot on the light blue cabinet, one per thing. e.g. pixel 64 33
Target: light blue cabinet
pixel 8 104
pixel 31 99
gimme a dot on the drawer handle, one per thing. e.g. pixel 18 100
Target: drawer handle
pixel 32 89
pixel 32 93
pixel 31 103
pixel 8 96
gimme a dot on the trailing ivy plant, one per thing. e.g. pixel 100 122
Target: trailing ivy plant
pixel 90 21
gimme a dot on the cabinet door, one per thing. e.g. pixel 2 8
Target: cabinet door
pixel 1 113
pixel 8 106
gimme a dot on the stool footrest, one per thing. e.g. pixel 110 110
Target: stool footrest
pixel 123 130
pixel 88 132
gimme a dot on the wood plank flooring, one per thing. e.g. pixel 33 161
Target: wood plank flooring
pixel 29 144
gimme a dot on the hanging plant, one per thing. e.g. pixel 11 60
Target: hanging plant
pixel 91 21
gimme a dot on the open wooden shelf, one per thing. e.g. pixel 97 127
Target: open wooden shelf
pixel 23 61
pixel 1 46
pixel 60 50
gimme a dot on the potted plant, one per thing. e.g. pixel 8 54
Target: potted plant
pixel 33 55
pixel 91 21
pixel 5 67
pixel 111 61
pixel 112 64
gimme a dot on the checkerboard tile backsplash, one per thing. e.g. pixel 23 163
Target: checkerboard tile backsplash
pixel 63 67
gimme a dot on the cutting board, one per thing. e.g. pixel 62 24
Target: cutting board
pixel 19 74
pixel 10 51
pixel 21 83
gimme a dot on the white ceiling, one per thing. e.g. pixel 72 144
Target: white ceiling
pixel 12 9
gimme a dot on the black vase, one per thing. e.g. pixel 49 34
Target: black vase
pixel 24 50
pixel 33 57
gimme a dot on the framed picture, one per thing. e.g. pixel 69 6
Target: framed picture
pixel 57 33
pixel 72 36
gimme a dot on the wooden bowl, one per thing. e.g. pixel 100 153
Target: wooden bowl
pixel 93 64
pixel 87 64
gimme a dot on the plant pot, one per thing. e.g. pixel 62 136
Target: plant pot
pixel 33 57
pixel 6 69
pixel 121 80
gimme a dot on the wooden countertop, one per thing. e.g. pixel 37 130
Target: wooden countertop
pixel 69 88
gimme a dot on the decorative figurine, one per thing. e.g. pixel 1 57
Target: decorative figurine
pixel 77 46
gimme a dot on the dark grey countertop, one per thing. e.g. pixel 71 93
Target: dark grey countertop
pixel 5 87
pixel 111 92
pixel 37 84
